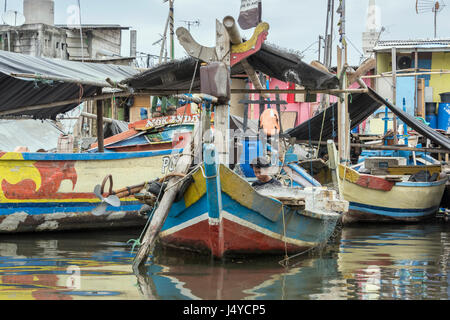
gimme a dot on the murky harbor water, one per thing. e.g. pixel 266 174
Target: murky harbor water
pixel 362 263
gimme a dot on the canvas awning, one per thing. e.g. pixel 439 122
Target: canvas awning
pixel 361 106
pixel 17 93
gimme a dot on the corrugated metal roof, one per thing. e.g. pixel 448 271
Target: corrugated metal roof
pixel 93 26
pixel 443 44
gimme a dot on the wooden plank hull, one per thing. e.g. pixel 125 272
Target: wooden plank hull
pixel 379 202
pixel 246 222
pixel 54 192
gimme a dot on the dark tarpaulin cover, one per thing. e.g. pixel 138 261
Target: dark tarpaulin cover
pixel 270 60
pixel 361 106
pixel 17 93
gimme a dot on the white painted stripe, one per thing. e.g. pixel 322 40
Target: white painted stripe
pixel 184 225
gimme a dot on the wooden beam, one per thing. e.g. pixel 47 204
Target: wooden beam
pixel 100 136
pixel 382 147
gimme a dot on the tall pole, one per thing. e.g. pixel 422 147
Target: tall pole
pixel 161 53
pixel 435 23
pixel 343 123
pixel 394 90
pixel 172 44
pixel 81 32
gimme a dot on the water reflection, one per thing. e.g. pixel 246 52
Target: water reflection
pixel 365 262
pixel 394 262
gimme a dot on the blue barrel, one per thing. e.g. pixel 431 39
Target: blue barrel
pixel 252 148
pixel 144 114
pixel 443 121
pixel 445 97
pixel 432 119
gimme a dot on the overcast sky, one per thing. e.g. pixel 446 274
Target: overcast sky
pixel 294 24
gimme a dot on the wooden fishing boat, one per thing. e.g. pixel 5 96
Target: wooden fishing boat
pixel 221 214
pixel 389 198
pixel 161 133
pixel 54 192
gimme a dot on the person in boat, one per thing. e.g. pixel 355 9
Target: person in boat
pixel 261 168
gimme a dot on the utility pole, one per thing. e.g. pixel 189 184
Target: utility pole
pixel 172 44
pixel 328 48
pixel 81 32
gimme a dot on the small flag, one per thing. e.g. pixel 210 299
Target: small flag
pixel 250 14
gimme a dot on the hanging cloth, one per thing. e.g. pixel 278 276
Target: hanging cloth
pixel 270 122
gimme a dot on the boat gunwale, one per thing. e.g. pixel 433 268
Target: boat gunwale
pixel 40 156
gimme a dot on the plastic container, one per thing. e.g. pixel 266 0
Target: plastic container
pixel 445 97
pixel 144 114
pixel 432 119
pixel 251 149
pixel 443 118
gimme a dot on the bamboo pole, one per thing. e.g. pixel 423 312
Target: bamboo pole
pixel 389 74
pixel 394 90
pixel 94 116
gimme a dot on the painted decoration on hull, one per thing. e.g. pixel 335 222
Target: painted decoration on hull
pixel 35 179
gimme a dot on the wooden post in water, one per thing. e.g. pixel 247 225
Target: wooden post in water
pixel 160 214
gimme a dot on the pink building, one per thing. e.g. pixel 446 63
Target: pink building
pixel 296 111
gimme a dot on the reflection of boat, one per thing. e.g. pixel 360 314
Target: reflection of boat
pixel 387 259
pixel 58 268
pixel 178 278
pixel 380 198
pixel 223 215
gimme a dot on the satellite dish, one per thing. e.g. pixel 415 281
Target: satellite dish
pixel 13 18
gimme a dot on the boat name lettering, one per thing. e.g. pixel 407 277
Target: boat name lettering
pixel 171 120
pixel 169 163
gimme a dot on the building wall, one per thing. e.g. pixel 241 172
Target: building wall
pixel 384 63
pixel 97 43
pixel 37 40
pixel 135 109
pixel 440 83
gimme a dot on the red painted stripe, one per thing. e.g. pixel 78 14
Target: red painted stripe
pixel 229 237
pixel 375 183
